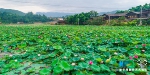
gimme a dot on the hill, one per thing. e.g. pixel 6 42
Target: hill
pixel 59 14
pixel 12 11
pixel 111 12
pixel 55 14
pixel 146 6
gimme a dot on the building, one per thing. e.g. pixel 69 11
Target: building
pixel 133 15
pixel 145 14
pixel 57 21
pixel 138 15
pixel 114 16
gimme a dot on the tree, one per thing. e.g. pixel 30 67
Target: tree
pixel 93 13
pixel 96 21
pixel 6 17
pixel 81 18
pixel 137 8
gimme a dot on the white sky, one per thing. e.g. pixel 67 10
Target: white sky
pixel 72 6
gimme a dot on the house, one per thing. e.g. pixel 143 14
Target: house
pixel 146 13
pixel 60 19
pixel 114 16
pixel 56 21
pixel 20 22
pixel 133 15
pixel 61 22
pixel 53 22
pixel 130 15
pixel 137 15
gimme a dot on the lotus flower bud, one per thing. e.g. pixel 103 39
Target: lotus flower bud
pixel 82 58
pixel 90 63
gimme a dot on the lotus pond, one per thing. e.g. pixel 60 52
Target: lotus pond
pixel 74 50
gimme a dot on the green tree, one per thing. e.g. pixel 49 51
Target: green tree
pixel 96 21
pixel 93 13
pixel 81 18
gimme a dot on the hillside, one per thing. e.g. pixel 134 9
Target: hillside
pixel 111 12
pixel 146 6
pixel 59 14
pixel 12 11
pixel 55 14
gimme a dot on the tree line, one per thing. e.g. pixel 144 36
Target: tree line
pixel 7 17
pixel 146 6
pixel 83 18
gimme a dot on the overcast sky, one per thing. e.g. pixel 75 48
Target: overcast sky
pixel 73 6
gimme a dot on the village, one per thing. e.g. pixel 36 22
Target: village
pixel 143 15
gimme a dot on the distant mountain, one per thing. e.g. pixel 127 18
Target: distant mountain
pixel 12 11
pixel 59 14
pixel 111 12
pixel 55 14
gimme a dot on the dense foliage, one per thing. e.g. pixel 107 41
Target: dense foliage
pixel 81 19
pixel 72 50
pixel 12 11
pixel 136 9
pixel 122 21
pixel 7 17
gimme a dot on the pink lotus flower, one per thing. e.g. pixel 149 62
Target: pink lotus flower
pixel 90 63
pixel 136 56
pixel 130 57
pixel 17 48
pixel 143 45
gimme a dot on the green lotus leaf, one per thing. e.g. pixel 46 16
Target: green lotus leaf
pixel 77 68
pixel 16 65
pixel 68 54
pixel 132 64
pixel 54 62
pixel 58 70
pixel 7 65
pixel 101 48
pixel 135 42
pixel 137 51
pixel 44 71
pixel 75 59
pixel 148 73
pixel 112 61
pixel 99 59
pixel 84 65
pixel 129 73
pixel 4 70
pixel 51 48
pixel 52 54
pixel 57 47
pixel 104 67
pixel 65 65
pixel 80 73
pixel 30 70
pixel 77 38
pixel 23 44
pixel 112 73
pixel 148 68
pixel 95 68
pixel 122 50
pixel 107 54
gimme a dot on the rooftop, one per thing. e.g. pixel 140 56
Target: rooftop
pixel 120 14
